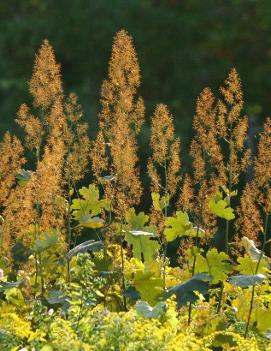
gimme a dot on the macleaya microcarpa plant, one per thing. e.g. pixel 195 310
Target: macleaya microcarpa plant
pixel 121 290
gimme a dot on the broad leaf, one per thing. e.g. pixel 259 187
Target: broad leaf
pixel 89 245
pixel 160 203
pixel 180 226
pixel 248 266
pixel 219 207
pixel 251 249
pixel 149 286
pixel 140 236
pixel 244 281
pixel 134 221
pixel 145 310
pixel 49 240
pixel 20 253
pixel 85 210
pixel 143 247
pixel 216 264
pixel 185 292
pixel 88 221
pixel 6 286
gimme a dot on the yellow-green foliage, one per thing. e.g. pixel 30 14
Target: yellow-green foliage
pixel 84 269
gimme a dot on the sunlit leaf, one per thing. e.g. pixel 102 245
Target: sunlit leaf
pixel 149 286
pixel 160 203
pixel 49 240
pixel 219 207
pixel 215 263
pixel 180 226
pixel 86 209
pixel 143 247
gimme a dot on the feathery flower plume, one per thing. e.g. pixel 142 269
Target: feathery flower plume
pixel 256 197
pixel 45 84
pixel 11 161
pixel 76 140
pixel 207 158
pixel 120 121
pixel 45 137
pixel 232 127
pixel 164 164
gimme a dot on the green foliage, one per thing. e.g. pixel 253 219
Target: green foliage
pixel 48 240
pixel 85 210
pixel 160 203
pixel 89 245
pixel 145 310
pixel 137 234
pixel 244 281
pixel 220 207
pixel 180 226
pixel 248 266
pixel 215 263
pixel 149 286
pixel 186 291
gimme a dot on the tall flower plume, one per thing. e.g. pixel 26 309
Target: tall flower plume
pixel 45 131
pixel 208 173
pixel 232 127
pixel 164 164
pixel 120 120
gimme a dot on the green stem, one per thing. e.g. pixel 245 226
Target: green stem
pixel 193 272
pixel 256 271
pixel 123 278
pixel 69 228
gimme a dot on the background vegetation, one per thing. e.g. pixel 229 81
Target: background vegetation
pixel 182 45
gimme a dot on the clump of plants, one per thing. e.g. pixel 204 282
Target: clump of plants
pixel 82 267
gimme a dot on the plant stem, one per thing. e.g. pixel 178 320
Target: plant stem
pixel 69 226
pixel 164 242
pixel 256 271
pixel 123 278
pixel 193 272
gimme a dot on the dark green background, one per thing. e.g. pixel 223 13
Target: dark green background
pixel 182 45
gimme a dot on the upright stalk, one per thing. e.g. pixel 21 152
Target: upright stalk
pixel 164 243
pixel 227 228
pixel 256 271
pixel 123 277
pixel 69 228
pixel 193 272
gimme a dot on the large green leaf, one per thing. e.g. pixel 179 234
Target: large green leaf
pixel 180 226
pixel 248 266
pixel 144 248
pixel 185 292
pixel 136 221
pixel 244 281
pixel 215 263
pixel 140 236
pixel 149 286
pixel 48 240
pixel 6 286
pixel 220 207
pixel 89 245
pixel 86 209
pixel 160 203
pixel 145 310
